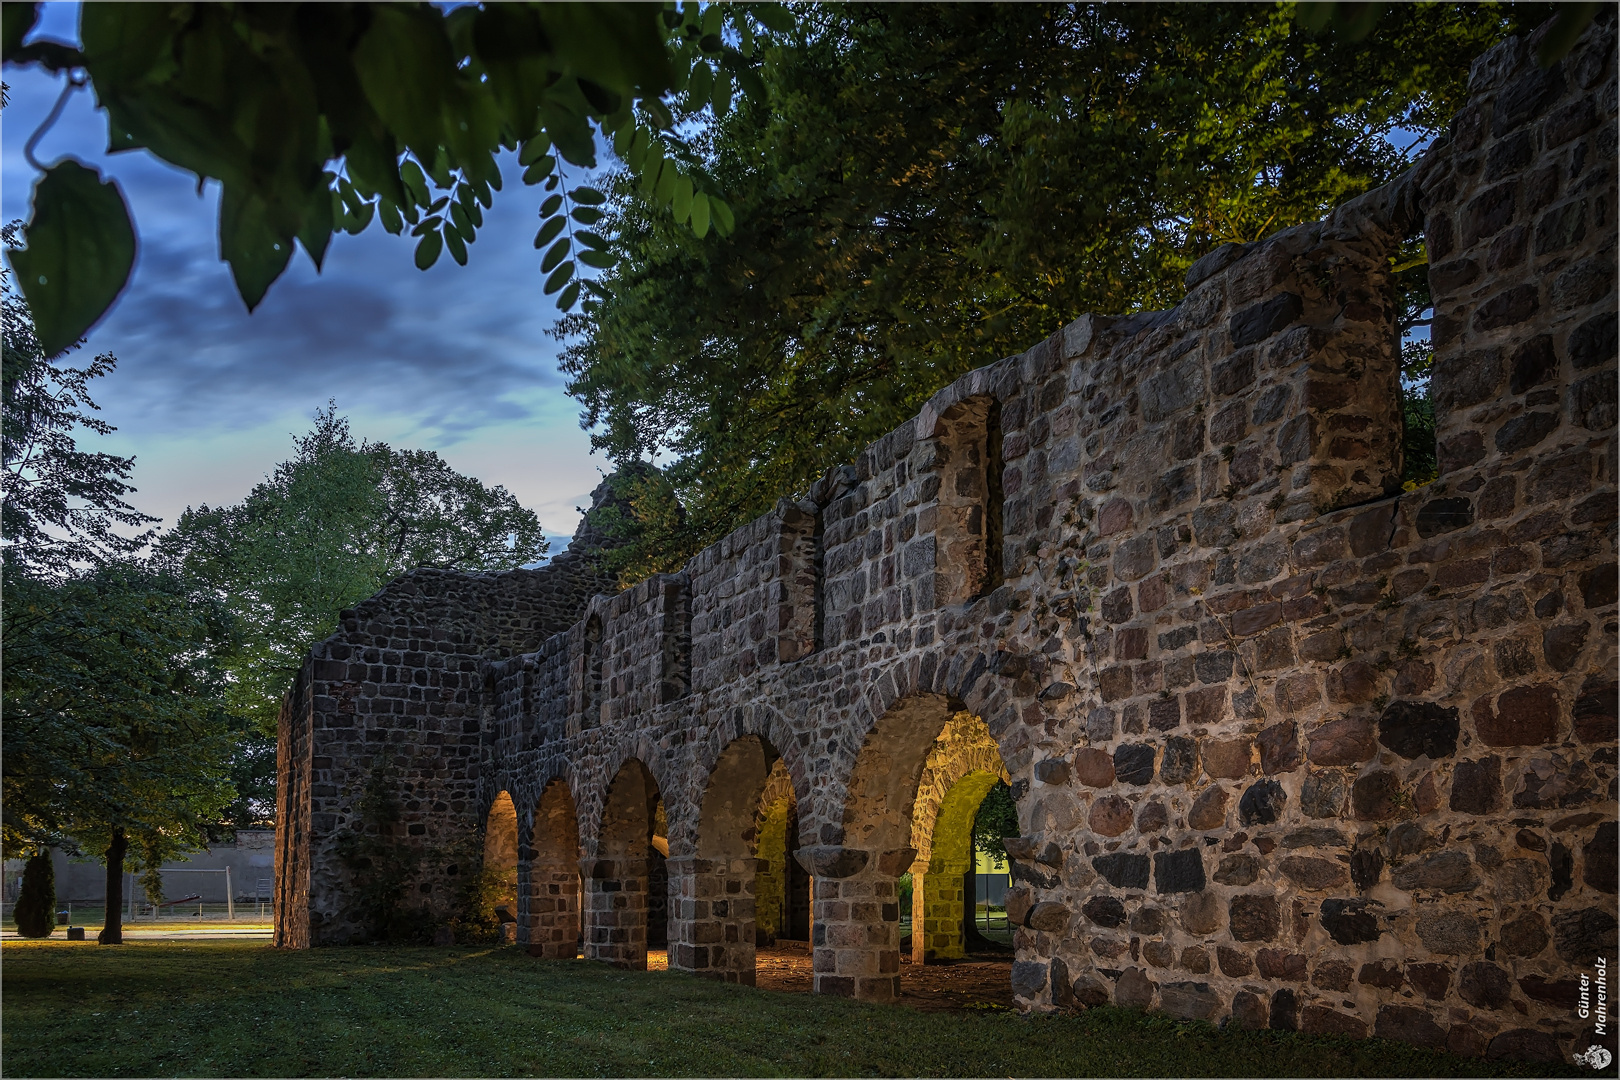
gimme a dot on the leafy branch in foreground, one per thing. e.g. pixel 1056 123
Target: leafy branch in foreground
pixel 322 117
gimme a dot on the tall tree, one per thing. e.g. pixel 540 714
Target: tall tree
pixel 328 528
pixel 938 186
pixel 115 730
pixel 117 740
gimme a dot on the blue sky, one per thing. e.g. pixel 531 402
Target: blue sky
pixel 207 397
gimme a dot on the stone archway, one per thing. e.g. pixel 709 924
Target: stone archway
pixel 616 881
pixel 501 849
pixel 781 886
pixel 717 925
pixel 962 767
pixel 857 912
pixel 554 883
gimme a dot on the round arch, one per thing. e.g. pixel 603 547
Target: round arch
pixel 501 848
pixel 554 883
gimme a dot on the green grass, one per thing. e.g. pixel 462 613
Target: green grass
pixel 244 1009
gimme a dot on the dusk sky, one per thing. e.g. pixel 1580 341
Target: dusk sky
pixel 208 397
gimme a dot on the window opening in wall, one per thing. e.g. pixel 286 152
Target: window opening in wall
pixel 818 593
pixel 1415 313
pixel 676 680
pixel 799 600
pixel 968 552
pixel 994 572
pixel 591 713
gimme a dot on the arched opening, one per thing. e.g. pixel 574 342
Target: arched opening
pixel 962 768
pixel 619 879
pixel 554 885
pixel 719 927
pixel 782 887
pixel 922 774
pixel 856 932
pixel 968 552
pixel 501 858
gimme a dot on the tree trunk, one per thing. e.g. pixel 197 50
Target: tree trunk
pixel 112 931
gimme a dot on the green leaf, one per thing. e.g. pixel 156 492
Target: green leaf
pixel 429 224
pixel 681 203
pixel 711 43
pixel 404 64
pixel 588 196
pixel 357 222
pixel 602 260
pixel 659 113
pixel 475 213
pixel 569 295
pixel 711 19
pixel 251 242
pixel 390 218
pixel 351 197
pixel 415 183
pixel 535 149
pixel 664 190
pixel 427 252
pixel 697 89
pixel 559 277
pixel 558 251
pixel 539 170
pixel 548 232
pixel 724 223
pixel 591 240
pixel 438 204
pixel 550 206
pixel 722 94
pixel 751 85
pixel 462 223
pixel 775 17
pixel 651 167
pixel 639 144
pixel 586 215
pixel 316 231
pixel 457 246
pixel 700 215
pixel 81 247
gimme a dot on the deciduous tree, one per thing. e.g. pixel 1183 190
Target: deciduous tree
pixel 938 186
pixel 328 528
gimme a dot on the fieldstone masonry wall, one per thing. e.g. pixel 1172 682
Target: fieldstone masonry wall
pixel 1290 746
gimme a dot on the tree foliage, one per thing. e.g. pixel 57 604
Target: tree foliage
pixel 115 713
pixel 328 528
pixel 35 910
pixel 994 821
pixel 115 729
pixel 938 186
pixel 320 117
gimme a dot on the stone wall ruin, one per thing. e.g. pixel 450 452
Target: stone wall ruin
pixel 1291 746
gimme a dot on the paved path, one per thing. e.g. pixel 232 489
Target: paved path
pixel 223 932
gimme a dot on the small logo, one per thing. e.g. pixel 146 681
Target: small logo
pixel 1596 1057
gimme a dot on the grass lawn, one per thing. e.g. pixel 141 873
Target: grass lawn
pixel 244 1009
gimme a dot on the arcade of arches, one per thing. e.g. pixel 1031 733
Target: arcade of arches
pixel 1291 747
pixel 921 778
